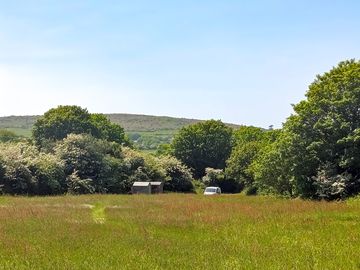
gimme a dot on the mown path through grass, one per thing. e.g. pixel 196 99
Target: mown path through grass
pixel 98 213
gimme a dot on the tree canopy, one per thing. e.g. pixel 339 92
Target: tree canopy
pixel 202 145
pixel 249 143
pixel 58 122
pixel 320 143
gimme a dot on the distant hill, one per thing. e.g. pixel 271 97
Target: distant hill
pixel 146 131
pixel 136 122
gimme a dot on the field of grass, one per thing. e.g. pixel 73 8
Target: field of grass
pixel 23 132
pixel 174 231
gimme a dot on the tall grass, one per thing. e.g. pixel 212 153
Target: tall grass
pixel 177 232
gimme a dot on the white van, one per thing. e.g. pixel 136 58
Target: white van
pixel 212 191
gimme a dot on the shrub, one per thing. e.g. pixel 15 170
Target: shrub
pixel 76 185
pixel 17 178
pixel 331 186
pixel 49 172
pixel 116 176
pixel 178 176
pixel 251 191
pixel 143 167
pixel 85 155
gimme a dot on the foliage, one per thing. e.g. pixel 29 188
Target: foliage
pixel 178 176
pixel 217 177
pixel 133 166
pixel 323 132
pixel 77 185
pixel 81 153
pixel 246 134
pixel 251 191
pixel 26 171
pixel 17 178
pixel 107 130
pixel 199 186
pixel 85 155
pixel 272 168
pixel 57 123
pixel 82 164
pixel 164 150
pixel 117 175
pixel 48 170
pixel 248 144
pixel 331 186
pixel 142 166
pixel 202 145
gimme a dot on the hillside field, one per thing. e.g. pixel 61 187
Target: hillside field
pixel 146 131
pixel 177 231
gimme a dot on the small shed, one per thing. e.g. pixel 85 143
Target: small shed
pixel 141 188
pixel 157 187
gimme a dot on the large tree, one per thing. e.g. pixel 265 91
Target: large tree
pixel 58 122
pixel 202 145
pixel 320 145
pixel 106 130
pixel 248 143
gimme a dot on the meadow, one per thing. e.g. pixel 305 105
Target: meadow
pixel 177 231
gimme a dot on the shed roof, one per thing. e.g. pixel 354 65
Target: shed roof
pixel 156 183
pixel 141 184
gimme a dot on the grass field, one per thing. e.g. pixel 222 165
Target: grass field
pixel 177 232
pixel 24 132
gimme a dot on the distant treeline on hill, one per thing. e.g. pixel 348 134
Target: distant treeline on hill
pixel 147 132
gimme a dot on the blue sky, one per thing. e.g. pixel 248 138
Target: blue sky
pixel 239 61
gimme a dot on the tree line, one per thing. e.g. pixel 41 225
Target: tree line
pixel 74 151
pixel 316 154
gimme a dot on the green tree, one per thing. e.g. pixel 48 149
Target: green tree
pixel 178 176
pixel 106 130
pixel 57 123
pixel 164 150
pixel 48 170
pixel 17 175
pixel 202 145
pixel 272 167
pixel 323 133
pixel 83 157
pixel 246 134
pixel 248 144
